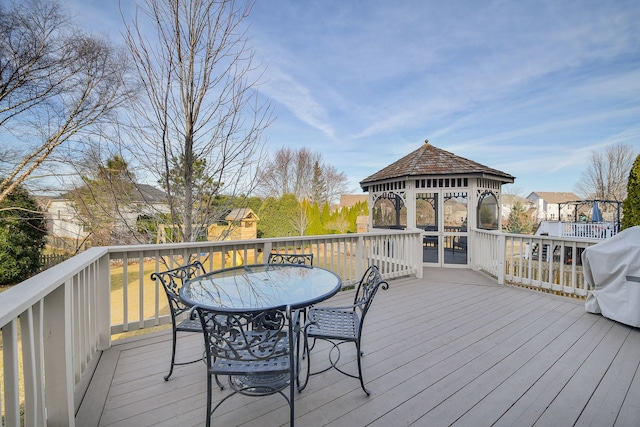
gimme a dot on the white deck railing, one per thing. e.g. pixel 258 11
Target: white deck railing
pixel 540 262
pixel 581 230
pixel 56 323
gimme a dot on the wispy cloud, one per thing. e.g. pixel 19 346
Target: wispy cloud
pixel 298 99
pixel 416 61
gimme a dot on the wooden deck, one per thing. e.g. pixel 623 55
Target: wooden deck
pixel 454 348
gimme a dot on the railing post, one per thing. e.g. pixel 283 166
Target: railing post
pixel 360 257
pixel 58 357
pixel 502 255
pixel 103 303
pixel 266 251
pixel 417 260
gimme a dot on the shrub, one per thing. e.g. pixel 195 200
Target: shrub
pixel 631 205
pixel 22 236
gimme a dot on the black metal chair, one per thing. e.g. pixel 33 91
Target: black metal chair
pixel 299 259
pixel 171 281
pixel 257 351
pixel 304 259
pixel 340 325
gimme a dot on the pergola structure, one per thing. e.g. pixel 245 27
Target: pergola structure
pixel 440 193
pixel 593 209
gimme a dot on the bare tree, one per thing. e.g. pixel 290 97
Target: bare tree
pixel 336 182
pixel 56 84
pixel 200 125
pixel 606 175
pixel 301 172
pixel 289 172
pixel 299 219
pixel 511 190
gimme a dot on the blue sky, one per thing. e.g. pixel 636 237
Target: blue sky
pixel 528 87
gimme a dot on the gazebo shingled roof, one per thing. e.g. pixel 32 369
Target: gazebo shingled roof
pixel 430 160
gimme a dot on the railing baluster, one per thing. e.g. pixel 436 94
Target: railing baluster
pixel 141 304
pixel 11 379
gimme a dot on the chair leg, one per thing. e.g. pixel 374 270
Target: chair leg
pixel 291 402
pixel 173 355
pixel 360 354
pixel 209 399
pixel 306 355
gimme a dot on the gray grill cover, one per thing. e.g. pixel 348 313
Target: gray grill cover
pixel 612 269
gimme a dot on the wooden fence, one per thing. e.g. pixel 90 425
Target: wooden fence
pixel 49 260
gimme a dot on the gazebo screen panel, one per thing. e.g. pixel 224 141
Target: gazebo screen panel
pixel 488 211
pixel 390 211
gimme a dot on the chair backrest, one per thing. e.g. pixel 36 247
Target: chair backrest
pixel 303 259
pixel 172 280
pixel 248 337
pixel 367 289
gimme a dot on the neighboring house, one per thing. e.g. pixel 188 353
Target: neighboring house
pixel 67 229
pixel 547 205
pixel 349 200
pixel 241 224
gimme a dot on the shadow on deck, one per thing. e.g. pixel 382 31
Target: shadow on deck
pixel 453 348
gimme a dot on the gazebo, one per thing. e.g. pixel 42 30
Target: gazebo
pixel 440 193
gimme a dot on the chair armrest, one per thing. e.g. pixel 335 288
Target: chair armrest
pixel 193 314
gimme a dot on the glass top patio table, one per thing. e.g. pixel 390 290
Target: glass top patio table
pixel 259 287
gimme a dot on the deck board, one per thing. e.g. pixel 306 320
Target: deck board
pixel 453 348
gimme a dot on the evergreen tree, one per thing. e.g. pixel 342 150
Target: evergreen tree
pixel 325 215
pixel 315 227
pixel 275 216
pixel 631 205
pixel 318 185
pixel 23 234
pixel 518 221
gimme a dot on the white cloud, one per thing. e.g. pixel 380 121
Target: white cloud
pixel 297 99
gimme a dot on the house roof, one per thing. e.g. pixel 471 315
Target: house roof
pixel 241 213
pixel 151 194
pixel 554 197
pixel 430 160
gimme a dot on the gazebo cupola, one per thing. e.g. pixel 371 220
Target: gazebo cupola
pixel 440 193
